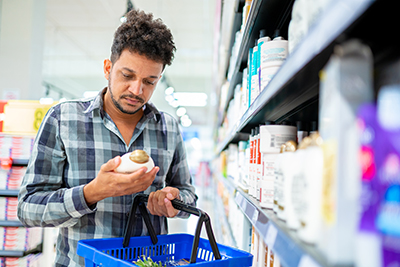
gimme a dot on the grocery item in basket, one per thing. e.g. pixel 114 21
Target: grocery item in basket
pixel 148 262
pixel 133 161
pixel 180 262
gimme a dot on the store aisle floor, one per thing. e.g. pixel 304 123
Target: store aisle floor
pixel 177 225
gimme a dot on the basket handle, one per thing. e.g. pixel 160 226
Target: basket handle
pixel 179 205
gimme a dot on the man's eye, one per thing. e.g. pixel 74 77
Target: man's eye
pixel 126 75
pixel 148 82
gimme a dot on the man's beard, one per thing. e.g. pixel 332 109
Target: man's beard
pixel 119 106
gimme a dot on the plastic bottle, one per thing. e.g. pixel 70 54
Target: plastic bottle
pixel 287 172
pixel 296 193
pixel 308 207
pixel 346 83
pixel 278 178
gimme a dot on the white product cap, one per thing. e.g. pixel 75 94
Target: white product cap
pixel 389 107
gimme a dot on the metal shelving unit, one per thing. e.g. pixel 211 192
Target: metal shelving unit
pixel 293 92
pixel 9 223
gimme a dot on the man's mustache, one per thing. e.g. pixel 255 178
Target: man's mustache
pixel 133 96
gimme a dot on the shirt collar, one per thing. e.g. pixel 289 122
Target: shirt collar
pixel 97 103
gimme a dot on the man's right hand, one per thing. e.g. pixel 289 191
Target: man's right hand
pixel 109 183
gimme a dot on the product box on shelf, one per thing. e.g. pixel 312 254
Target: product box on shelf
pixel 15 146
pixel 20 238
pixel 11 179
pixel 8 208
pixel 31 260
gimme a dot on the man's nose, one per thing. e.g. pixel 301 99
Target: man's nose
pixel 136 87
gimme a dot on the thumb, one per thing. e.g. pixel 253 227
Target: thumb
pixel 112 164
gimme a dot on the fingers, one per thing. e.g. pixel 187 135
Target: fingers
pixel 159 202
pixel 111 165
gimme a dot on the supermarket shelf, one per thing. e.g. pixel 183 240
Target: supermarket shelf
pixel 10 224
pixel 9 193
pixel 259 9
pixel 223 223
pixel 295 87
pixel 291 251
pixel 20 253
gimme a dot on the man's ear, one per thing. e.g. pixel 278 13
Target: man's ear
pixel 107 68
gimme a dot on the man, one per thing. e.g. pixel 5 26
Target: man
pixel 70 181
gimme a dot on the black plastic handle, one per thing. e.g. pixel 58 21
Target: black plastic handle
pixel 139 201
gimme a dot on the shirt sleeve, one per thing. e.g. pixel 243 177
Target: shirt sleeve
pixel 44 199
pixel 179 176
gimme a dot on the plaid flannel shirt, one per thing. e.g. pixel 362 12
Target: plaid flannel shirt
pixel 74 140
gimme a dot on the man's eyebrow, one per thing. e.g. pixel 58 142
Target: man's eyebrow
pixel 128 69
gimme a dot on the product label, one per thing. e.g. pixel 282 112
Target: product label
pixel 298 191
pixel 277 140
pixel 329 149
pixel 268 179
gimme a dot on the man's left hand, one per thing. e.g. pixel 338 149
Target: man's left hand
pixel 159 202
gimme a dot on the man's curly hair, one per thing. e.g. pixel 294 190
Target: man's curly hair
pixel 144 35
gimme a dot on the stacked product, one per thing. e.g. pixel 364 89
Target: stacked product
pixel 31 260
pixel 19 238
pixel 11 179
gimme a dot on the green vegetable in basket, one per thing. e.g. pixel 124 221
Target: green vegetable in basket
pixel 148 262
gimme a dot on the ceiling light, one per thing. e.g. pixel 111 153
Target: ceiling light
pixel 174 104
pixel 169 98
pixel 129 7
pixel 191 99
pixel 181 111
pixel 185 117
pixel 169 91
pixel 186 123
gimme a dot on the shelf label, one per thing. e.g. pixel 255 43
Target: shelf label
pixel 272 232
pixel 255 216
pixel 307 261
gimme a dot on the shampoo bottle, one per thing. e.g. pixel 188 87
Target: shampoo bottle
pixel 278 178
pixel 287 172
pixel 346 83
pixel 308 207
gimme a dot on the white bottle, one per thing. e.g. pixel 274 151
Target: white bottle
pixel 287 172
pixel 308 208
pixel 273 53
pixel 296 186
pixel 346 83
pixel 278 178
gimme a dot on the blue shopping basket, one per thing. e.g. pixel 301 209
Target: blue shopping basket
pixel 121 252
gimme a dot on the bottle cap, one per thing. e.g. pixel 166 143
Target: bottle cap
pixel 304 143
pixel 283 148
pixel 277 33
pixel 316 139
pixel 313 126
pixel 291 146
pixel 263 33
